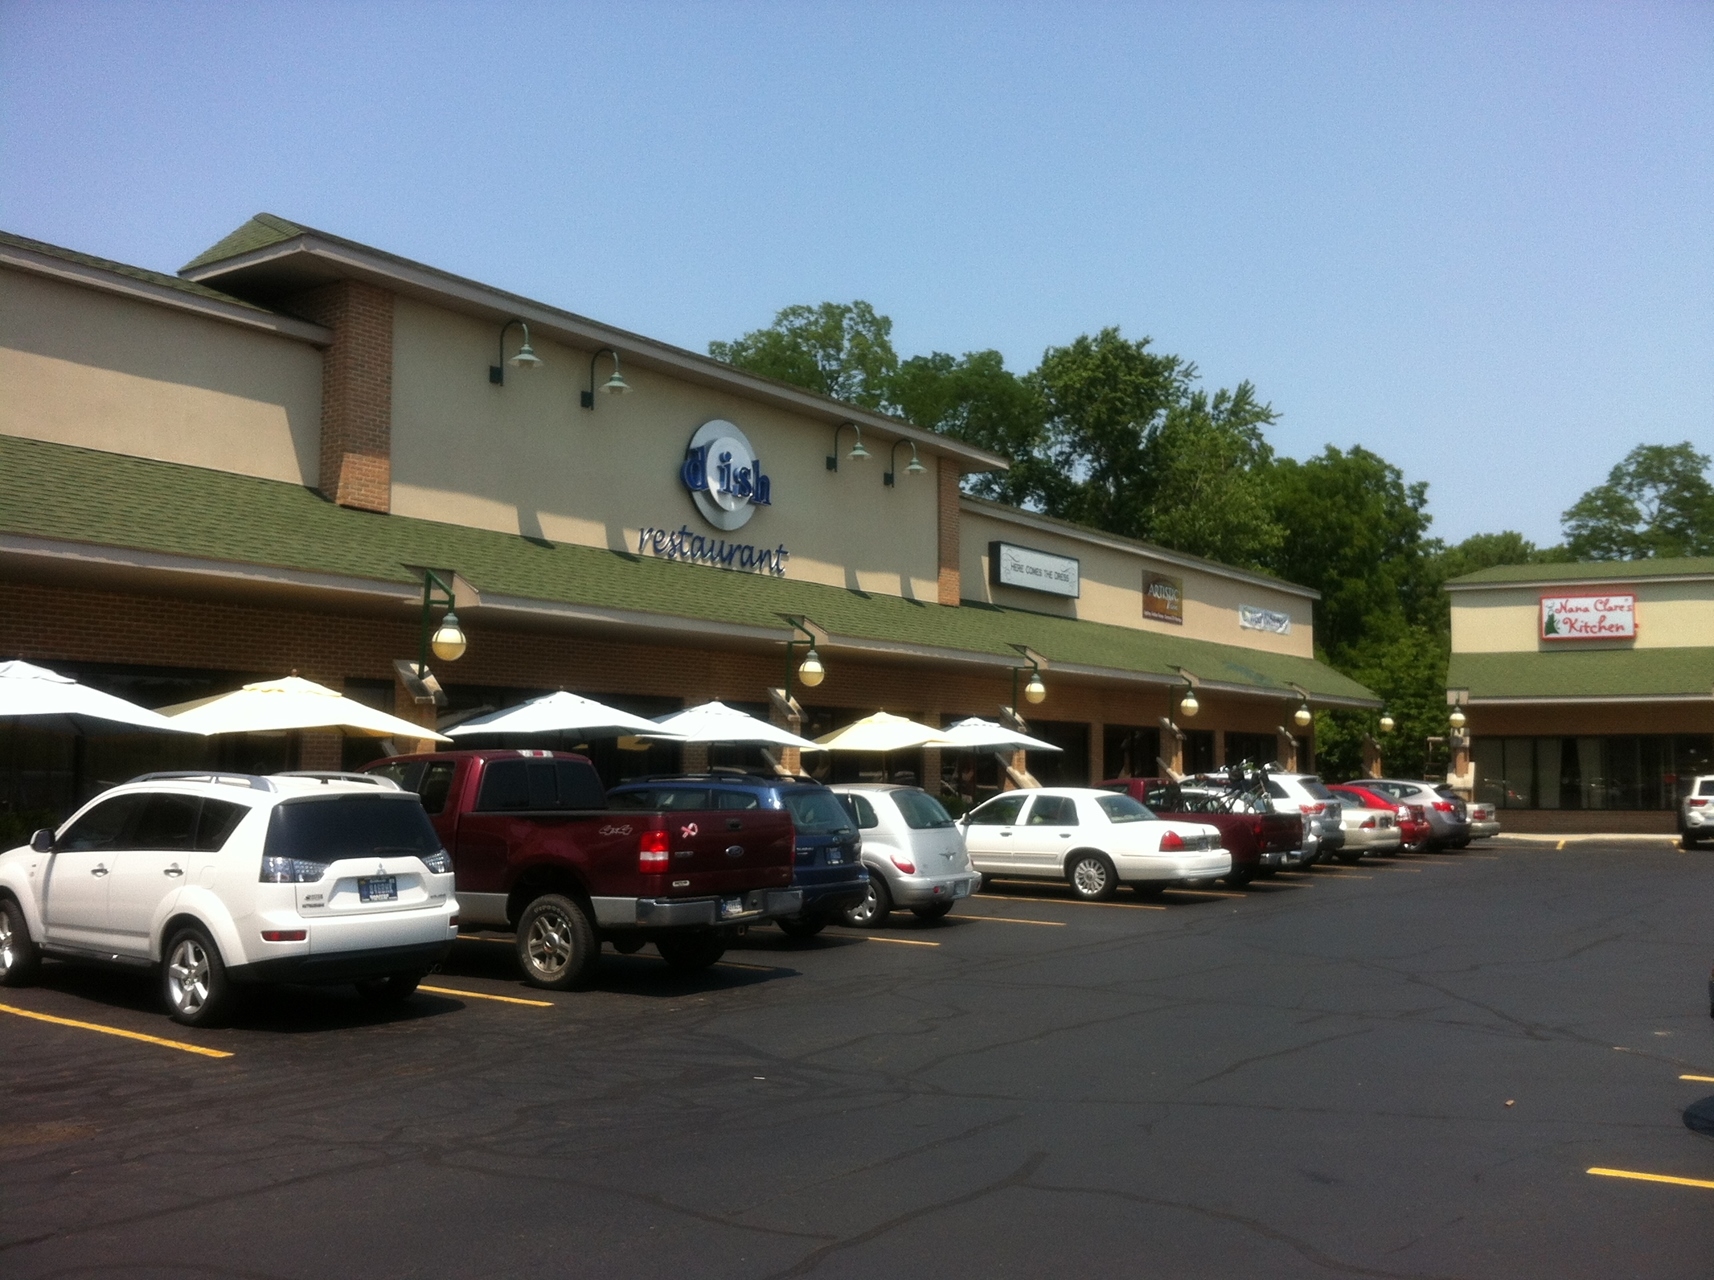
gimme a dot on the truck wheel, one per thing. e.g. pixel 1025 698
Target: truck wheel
pixel 392 989
pixel 801 926
pixel 1238 877
pixel 871 913
pixel 1092 877
pixel 19 956
pixel 693 953
pixel 194 979
pixel 1350 858
pixel 556 944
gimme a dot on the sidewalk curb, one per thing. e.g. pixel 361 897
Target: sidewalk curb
pixel 1557 841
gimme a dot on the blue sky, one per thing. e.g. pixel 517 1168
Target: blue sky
pixel 1477 239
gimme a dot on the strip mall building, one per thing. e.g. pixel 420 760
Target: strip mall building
pixel 247 468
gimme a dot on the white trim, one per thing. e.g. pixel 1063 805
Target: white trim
pixel 1567 585
pixel 1593 699
pixel 99 278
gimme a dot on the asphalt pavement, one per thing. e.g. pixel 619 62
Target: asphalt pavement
pixel 1404 1069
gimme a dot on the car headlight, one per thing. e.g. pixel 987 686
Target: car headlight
pixel 438 862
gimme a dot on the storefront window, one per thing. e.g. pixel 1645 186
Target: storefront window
pixel 1627 771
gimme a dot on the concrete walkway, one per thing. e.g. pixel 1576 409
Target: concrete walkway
pixel 1560 840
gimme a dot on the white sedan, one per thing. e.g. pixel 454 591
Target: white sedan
pixel 1094 840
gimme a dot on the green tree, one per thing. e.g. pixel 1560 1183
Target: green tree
pixel 1211 468
pixel 842 350
pixel 976 399
pixel 1657 502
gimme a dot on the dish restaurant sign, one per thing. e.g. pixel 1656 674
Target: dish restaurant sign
pixel 1607 617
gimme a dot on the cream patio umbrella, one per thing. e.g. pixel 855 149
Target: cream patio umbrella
pixel 52 701
pixel 564 712
pixel 883 732
pixel 274 706
pixel 717 723
pixel 977 734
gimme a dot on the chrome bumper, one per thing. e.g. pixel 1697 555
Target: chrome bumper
pixel 691 913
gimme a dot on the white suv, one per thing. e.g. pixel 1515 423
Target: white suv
pixel 1323 818
pixel 220 879
pixel 1696 811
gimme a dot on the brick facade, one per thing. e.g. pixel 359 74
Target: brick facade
pixel 947 477
pixel 356 391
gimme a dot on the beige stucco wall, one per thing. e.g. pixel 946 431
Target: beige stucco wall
pixel 526 458
pixel 1112 589
pixel 82 367
pixel 1669 615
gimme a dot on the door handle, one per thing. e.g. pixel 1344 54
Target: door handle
pixel 734 824
pixel 98 870
pixel 1005 835
pixel 174 870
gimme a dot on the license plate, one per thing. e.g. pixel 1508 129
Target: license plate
pixel 730 907
pixel 833 856
pixel 378 889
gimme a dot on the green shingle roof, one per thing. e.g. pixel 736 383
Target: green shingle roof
pixel 60 492
pixel 119 268
pixel 258 233
pixel 1588 571
pixel 1585 673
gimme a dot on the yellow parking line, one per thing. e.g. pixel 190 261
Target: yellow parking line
pixel 1057 924
pixel 476 937
pixel 180 1045
pixel 1209 893
pixel 478 995
pixel 903 942
pixel 739 964
pixel 1699 1079
pixel 1073 902
pixel 1651 1177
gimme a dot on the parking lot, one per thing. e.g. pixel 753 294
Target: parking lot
pixel 1405 1068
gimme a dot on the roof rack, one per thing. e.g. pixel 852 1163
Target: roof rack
pixel 337 775
pixel 251 780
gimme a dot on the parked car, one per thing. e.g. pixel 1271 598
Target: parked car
pixel 1448 816
pixel 1323 825
pixel 1696 811
pixel 1367 830
pixel 1411 819
pixel 1484 819
pixel 217 880
pixel 1095 840
pixel 827 871
pixel 1260 838
pixel 912 849
pixel 538 850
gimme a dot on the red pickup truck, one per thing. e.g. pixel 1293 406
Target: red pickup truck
pixel 535 849
pixel 1260 842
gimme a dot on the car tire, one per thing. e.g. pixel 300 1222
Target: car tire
pixel 1149 888
pixel 1686 841
pixel 194 981
pixel 1266 873
pixel 1091 876
pixel 934 911
pixel 557 947
pixel 20 958
pixel 1238 877
pixel 1351 858
pixel 800 926
pixel 394 988
pixel 871 913
pixel 692 953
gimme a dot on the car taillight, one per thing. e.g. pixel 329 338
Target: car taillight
pixel 1697 804
pixel 1171 841
pixel 284 935
pixel 1369 825
pixel 277 869
pixel 1404 812
pixel 1443 806
pixel 652 853
pixel 1313 809
pixel 903 864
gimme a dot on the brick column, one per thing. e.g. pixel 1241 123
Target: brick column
pixel 947 479
pixel 696 757
pixel 356 391
pixel 1097 751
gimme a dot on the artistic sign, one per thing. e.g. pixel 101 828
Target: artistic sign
pixel 1163 598
pixel 1258 619
pixel 724 475
pixel 1589 617
pixel 1032 570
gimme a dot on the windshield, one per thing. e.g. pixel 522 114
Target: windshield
pixel 1124 809
pixel 818 813
pixel 921 811
pixel 326 829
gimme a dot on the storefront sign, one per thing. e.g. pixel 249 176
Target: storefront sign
pixel 1608 617
pixel 724 475
pixel 682 544
pixel 1163 598
pixel 1258 619
pixel 1010 566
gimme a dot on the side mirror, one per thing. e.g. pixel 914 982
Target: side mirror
pixel 42 841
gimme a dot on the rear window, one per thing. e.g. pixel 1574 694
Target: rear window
pixel 669 799
pixel 1123 809
pixel 534 785
pixel 818 813
pixel 1316 789
pixel 1705 787
pixel 921 811
pixel 327 828
pixel 861 811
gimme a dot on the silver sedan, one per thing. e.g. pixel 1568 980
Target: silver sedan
pixel 913 850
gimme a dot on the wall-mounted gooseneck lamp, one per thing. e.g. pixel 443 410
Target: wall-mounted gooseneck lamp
pixel 1303 717
pixel 809 671
pixel 1386 723
pixel 912 468
pixel 1457 719
pixel 1034 690
pixel 614 386
pixel 525 359
pixel 858 452
pixel 1188 706
pixel 447 640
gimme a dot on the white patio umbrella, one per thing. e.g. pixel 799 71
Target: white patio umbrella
pixel 718 723
pixel 273 706
pixel 564 712
pixel 49 700
pixel 883 732
pixel 977 734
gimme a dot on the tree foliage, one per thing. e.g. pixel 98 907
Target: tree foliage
pixel 840 349
pixel 976 399
pixel 1657 502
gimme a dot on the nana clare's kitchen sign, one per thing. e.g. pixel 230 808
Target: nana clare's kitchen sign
pixel 1011 566
pixel 1589 617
